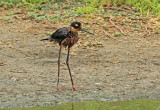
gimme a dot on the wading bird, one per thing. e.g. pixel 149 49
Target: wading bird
pixel 67 37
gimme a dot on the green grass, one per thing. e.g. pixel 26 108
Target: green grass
pixel 144 6
pixel 37 16
pixel 85 6
pixel 139 104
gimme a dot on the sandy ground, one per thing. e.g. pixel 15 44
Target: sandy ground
pixel 125 67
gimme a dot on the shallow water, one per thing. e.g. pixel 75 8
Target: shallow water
pixel 139 104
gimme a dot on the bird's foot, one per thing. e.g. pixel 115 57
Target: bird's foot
pixel 59 90
pixel 74 89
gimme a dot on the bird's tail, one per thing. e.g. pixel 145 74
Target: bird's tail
pixel 45 39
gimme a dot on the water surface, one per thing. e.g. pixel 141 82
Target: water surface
pixel 139 104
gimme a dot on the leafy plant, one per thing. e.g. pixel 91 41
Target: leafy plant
pixel 7 19
pixel 135 25
pixel 1 4
pixel 40 16
pixel 48 33
pixel 33 4
pixel 87 10
pixel 31 15
pixel 98 43
pixel 156 31
pixel 19 5
pixel 10 13
pixel 117 34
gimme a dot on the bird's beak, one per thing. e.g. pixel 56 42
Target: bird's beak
pixel 86 31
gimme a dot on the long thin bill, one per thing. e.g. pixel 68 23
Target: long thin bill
pixel 86 31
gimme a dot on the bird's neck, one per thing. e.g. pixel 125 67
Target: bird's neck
pixel 73 33
pixel 73 30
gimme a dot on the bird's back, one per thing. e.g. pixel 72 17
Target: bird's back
pixel 60 34
pixel 64 36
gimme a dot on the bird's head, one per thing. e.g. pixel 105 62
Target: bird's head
pixel 76 26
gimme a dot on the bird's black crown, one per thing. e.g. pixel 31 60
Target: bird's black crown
pixel 76 25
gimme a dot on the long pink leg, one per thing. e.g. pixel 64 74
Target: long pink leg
pixel 59 69
pixel 67 62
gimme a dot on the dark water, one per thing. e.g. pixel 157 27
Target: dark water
pixel 139 104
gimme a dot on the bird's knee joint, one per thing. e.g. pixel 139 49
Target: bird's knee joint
pixel 67 62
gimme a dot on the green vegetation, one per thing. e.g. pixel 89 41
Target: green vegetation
pixel 135 25
pixel 10 13
pixel 85 6
pixel 92 6
pixel 140 104
pixel 7 19
pixel 41 16
pixel 117 34
pixel 90 44
pixel 156 31
pixel 144 6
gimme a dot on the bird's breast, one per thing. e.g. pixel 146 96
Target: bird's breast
pixel 70 41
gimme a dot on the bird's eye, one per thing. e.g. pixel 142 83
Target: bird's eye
pixel 76 25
